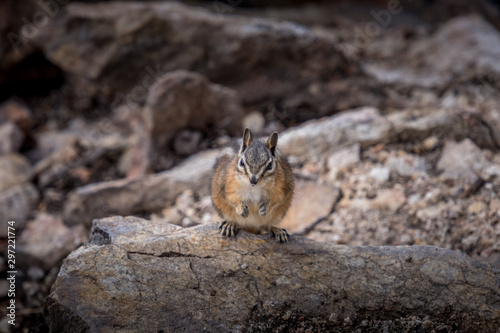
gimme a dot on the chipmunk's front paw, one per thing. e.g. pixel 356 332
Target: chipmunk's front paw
pixel 244 210
pixel 228 229
pixel 263 209
pixel 279 234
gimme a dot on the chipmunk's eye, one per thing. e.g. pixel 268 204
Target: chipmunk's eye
pixel 269 166
pixel 242 164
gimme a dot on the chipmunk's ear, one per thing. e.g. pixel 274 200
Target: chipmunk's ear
pixel 247 140
pixel 272 142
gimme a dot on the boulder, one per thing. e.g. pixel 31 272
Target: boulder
pixel 137 275
pixel 259 58
pixel 141 194
pixel 183 99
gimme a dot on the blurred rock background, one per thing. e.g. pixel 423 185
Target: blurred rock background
pixel 388 110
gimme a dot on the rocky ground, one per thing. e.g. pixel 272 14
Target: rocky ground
pixel 390 117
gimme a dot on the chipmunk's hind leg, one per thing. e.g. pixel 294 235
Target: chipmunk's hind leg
pixel 228 228
pixel 279 234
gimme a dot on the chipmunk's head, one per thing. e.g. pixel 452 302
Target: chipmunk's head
pixel 257 159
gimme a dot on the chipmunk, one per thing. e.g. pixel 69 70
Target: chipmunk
pixel 252 187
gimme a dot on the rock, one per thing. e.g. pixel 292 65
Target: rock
pixel 317 138
pixel 386 199
pixel 50 142
pixel 492 121
pixel 243 53
pixel 187 142
pixel 495 207
pixel 430 213
pixel 118 230
pixel 255 122
pixel 406 164
pixel 11 138
pixel 183 99
pixel 46 241
pixel 463 46
pixel 418 124
pixel 478 208
pixel 140 276
pixel 461 161
pixel 380 174
pixel 311 203
pixel 18 112
pixel 142 194
pixel 341 159
pixel 16 170
pixel 136 159
pixel 77 152
pixel 16 204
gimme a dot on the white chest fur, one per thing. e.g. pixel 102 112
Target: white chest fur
pixel 252 194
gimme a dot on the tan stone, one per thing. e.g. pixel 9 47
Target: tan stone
pixel 46 241
pixel 311 202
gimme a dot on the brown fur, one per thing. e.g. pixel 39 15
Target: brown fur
pixel 230 189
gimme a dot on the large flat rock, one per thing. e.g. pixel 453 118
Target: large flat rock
pixel 136 275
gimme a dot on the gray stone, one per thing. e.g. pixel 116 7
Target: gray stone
pixel 419 124
pixel 380 174
pixel 462 161
pixel 342 159
pixel 139 276
pixel 406 164
pixel 147 193
pixel 317 138
pixel 16 204
pixel 183 99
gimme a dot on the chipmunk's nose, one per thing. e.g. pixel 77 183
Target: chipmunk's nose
pixel 254 180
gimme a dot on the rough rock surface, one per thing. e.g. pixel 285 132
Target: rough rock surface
pixel 140 276
pixel 183 99
pixel 243 53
